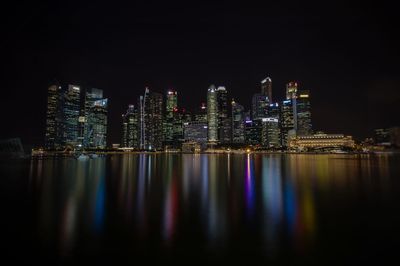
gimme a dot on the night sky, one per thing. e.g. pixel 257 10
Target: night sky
pixel 346 54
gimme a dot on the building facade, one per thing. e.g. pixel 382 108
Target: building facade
pixel 54 118
pixel 212 115
pixel 238 121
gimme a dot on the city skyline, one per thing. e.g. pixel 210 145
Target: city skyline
pixel 352 59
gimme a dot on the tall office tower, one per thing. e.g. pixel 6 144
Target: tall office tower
pixel 201 114
pixel 266 88
pixel 212 115
pixel 224 123
pixel 124 135
pixel 54 119
pixel 130 128
pixel 97 124
pixel 171 105
pixel 71 115
pixel 291 90
pixel 260 104
pixel 181 117
pixel 303 109
pixel 238 121
pixel 151 120
pixel 91 96
pixel 253 132
pixel 270 133
pixel 287 121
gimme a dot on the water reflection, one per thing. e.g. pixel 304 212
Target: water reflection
pixel 214 201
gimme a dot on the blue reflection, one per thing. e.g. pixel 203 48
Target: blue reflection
pixel 249 187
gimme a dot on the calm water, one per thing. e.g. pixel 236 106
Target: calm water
pixel 203 209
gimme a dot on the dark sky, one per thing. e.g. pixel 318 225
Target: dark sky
pixel 346 54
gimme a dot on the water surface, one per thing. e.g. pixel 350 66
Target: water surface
pixel 203 209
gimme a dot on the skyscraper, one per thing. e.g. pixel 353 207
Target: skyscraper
pixel 266 88
pixel 71 114
pixel 291 90
pixel 224 125
pixel 259 106
pixel 212 115
pixel 151 120
pixel 130 128
pixel 97 124
pixel 287 121
pixel 91 96
pixel 238 121
pixel 270 133
pixel 304 125
pixel 54 119
pixel 171 106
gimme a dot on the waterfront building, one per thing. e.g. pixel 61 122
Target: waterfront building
pixel 71 115
pixel 238 121
pixel 270 134
pixel 212 115
pixel 91 96
pixel 54 118
pixel 171 106
pixel 287 121
pixel 151 120
pixel 224 125
pixel 130 128
pixel 253 132
pixel 303 109
pixel 97 124
pixel 321 142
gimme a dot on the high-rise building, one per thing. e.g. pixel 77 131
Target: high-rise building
pixel 212 115
pixel 287 121
pixel 303 109
pixel 87 127
pixel 151 120
pixel 171 106
pixel 259 106
pixel 224 125
pixel 270 133
pixel 71 115
pixel 97 124
pixel 266 88
pixel 238 121
pixel 253 132
pixel 291 90
pixel 130 128
pixel 54 119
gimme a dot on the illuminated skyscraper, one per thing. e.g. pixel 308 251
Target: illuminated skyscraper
pixel 151 120
pixel 224 125
pixel 304 125
pixel 97 124
pixel 259 106
pixel 130 128
pixel 270 133
pixel 171 106
pixel 291 90
pixel 212 115
pixel 91 96
pixel 266 88
pixel 71 114
pixel 238 121
pixel 287 121
pixel 54 119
